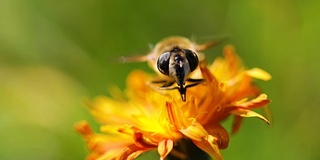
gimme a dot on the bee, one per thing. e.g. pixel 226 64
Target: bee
pixel 174 59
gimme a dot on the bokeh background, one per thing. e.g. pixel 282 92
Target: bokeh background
pixel 55 54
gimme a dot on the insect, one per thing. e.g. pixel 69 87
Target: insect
pixel 174 59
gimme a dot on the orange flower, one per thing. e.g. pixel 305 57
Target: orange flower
pixel 146 119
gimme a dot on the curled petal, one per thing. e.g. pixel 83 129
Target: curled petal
pixel 141 142
pixel 248 113
pixel 84 129
pixel 236 124
pixel 164 148
pixel 195 131
pixel 210 146
pixel 221 135
pixel 260 101
pixel 259 74
pixel 174 116
pixel 131 152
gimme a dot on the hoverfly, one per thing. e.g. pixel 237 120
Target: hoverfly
pixel 175 58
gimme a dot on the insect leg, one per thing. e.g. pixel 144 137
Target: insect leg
pixel 159 81
pixel 170 83
pixel 195 80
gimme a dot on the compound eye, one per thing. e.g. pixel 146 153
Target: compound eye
pixel 163 63
pixel 192 59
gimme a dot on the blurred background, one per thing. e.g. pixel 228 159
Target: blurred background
pixel 55 54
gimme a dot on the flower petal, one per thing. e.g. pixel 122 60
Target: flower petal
pixel 237 121
pixel 248 113
pixel 259 74
pixel 210 146
pixel 164 148
pixel 174 116
pixel 131 152
pixel 141 142
pixel 260 101
pixel 221 135
pixel 195 131
pixel 84 129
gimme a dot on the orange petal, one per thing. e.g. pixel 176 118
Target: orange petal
pixel 137 80
pixel 174 116
pixel 210 146
pixel 131 152
pixel 221 135
pixel 84 129
pixel 195 131
pixel 141 142
pixel 260 101
pixel 248 113
pixel 164 148
pixel 236 124
pixel 259 74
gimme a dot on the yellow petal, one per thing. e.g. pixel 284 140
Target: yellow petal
pixel 131 152
pixel 164 148
pixel 210 146
pixel 195 131
pixel 140 141
pixel 174 116
pixel 137 80
pixel 248 113
pixel 259 74
pixel 260 101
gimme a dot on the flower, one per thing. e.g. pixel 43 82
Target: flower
pixel 144 118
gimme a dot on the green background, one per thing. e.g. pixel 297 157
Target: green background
pixel 55 54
